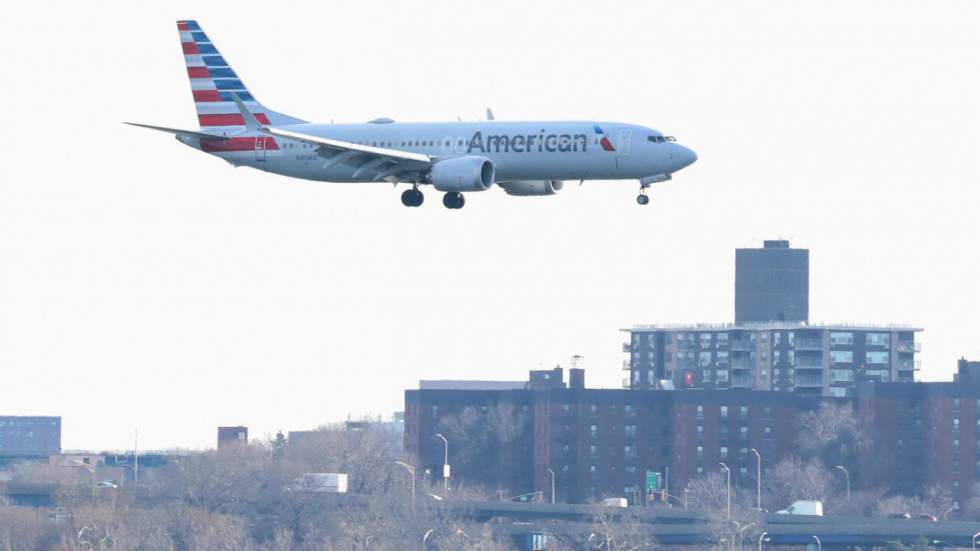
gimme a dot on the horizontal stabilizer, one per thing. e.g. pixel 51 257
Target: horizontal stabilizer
pixel 179 132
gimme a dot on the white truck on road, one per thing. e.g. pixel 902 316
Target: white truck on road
pixel 803 507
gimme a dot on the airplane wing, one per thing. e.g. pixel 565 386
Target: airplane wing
pixel 340 145
pixel 387 162
pixel 179 132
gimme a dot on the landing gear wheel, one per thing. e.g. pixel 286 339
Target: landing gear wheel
pixel 642 199
pixel 453 200
pixel 412 198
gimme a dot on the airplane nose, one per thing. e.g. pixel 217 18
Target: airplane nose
pixel 683 156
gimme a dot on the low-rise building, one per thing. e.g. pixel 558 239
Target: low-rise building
pixel 29 437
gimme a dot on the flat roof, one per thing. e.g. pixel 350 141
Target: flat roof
pixel 778 325
pixel 471 385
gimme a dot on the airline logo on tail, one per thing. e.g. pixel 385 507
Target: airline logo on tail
pixel 212 80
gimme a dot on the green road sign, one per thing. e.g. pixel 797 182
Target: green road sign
pixel 653 481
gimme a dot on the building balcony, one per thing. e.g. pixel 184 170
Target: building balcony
pixel 808 344
pixel 807 363
pixel 740 363
pixel 908 365
pixel 627 347
pixel 684 345
pixel 626 382
pixel 808 382
pixel 627 366
pixel 742 345
pixel 908 347
pixel 742 382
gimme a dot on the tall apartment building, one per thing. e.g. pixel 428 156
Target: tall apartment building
pixel 771 345
pixel 827 360
pixel 772 283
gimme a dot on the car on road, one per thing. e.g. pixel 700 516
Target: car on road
pixel 900 516
pixel 926 517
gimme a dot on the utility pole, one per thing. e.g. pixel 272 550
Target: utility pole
pixel 758 479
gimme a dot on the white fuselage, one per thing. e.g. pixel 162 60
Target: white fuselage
pixel 528 150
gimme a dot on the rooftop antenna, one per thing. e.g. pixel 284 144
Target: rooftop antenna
pixel 577 361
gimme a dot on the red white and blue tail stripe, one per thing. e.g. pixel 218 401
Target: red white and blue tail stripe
pixel 213 82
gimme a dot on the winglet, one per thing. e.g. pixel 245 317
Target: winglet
pixel 251 123
pixel 490 116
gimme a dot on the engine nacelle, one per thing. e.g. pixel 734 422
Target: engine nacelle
pixel 468 173
pixel 532 187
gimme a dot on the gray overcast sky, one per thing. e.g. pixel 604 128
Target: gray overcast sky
pixel 144 283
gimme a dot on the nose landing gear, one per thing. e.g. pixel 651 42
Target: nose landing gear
pixel 453 200
pixel 642 198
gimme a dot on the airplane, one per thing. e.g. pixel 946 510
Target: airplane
pixel 524 158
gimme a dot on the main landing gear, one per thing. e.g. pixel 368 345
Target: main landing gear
pixel 412 197
pixel 453 200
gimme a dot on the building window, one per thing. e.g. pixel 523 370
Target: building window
pixel 743 412
pixel 841 375
pixel 837 392
pixel 700 452
pixel 743 432
pixel 956 425
pixel 841 357
pixel 593 430
pixel 630 411
pixel 593 409
pixel 876 358
pixel 700 430
pixel 841 339
pixel 630 431
pixel 876 339
pixel 592 470
pixel 700 412
pixel 435 411
pixel 593 452
pixel 723 452
pixel 629 451
pixel 724 412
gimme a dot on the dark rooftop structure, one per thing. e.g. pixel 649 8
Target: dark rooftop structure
pixel 772 283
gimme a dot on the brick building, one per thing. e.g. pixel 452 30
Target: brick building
pixel 601 443
pixel 36 437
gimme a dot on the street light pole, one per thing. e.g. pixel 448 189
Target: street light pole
pixel 426 537
pixel 741 532
pixel 761 537
pixel 552 473
pixel 411 472
pixel 974 541
pixel 728 478
pixel 819 548
pixel 847 480
pixel 758 479
pixel 445 465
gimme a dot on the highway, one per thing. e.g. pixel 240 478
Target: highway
pixel 679 527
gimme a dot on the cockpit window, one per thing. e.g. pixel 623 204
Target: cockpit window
pixel 661 139
pixel 670 138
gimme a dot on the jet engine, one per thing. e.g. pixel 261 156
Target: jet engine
pixel 532 187
pixel 467 173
